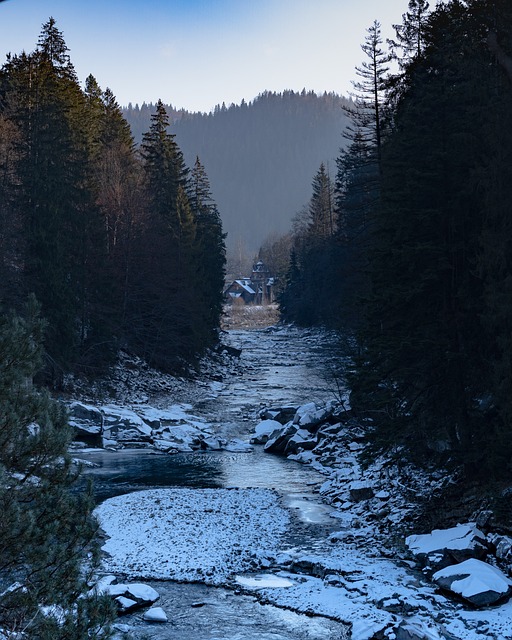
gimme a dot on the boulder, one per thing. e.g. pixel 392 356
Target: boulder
pixel 310 416
pixel 502 546
pixel 444 547
pixel 475 581
pixel 156 614
pixel 415 630
pixel 87 422
pixel 125 425
pixel 300 441
pixel 127 596
pixel 280 414
pixel 278 441
pixel 264 430
pixel 360 491
pixel 235 445
pixel 125 605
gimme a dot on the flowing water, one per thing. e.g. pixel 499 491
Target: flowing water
pixel 281 367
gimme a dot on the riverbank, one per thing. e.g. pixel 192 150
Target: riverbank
pixel 357 569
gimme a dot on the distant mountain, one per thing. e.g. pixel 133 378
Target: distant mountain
pixel 260 156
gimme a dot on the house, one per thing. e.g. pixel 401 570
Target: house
pixel 258 289
pixel 240 289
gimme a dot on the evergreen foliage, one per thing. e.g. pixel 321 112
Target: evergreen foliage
pixel 47 533
pixel 106 238
pixel 423 241
pixel 259 155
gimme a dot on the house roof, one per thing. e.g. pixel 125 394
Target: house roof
pixel 245 286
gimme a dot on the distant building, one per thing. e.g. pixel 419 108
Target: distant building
pixel 258 289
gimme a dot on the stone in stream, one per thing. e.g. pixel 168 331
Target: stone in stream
pixel 156 614
pixel 278 440
pixel 128 596
pixel 475 581
pixel 87 422
pixel 444 547
pixel 264 430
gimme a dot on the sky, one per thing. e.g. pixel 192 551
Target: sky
pixel 196 54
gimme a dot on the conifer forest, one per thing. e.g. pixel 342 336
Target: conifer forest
pixel 394 271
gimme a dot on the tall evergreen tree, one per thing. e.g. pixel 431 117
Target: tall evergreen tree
pixel 42 98
pixel 424 369
pixel 370 92
pixel 211 251
pixel 47 532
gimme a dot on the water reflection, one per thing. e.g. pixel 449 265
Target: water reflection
pixel 197 612
pixel 120 472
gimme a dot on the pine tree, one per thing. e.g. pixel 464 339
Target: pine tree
pixel 159 318
pixel 424 370
pixel 370 92
pixel 42 98
pixel 211 251
pixel 47 532
pixel 321 210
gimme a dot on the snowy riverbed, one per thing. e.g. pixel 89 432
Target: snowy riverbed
pixel 273 539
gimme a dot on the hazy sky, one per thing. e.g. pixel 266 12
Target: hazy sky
pixel 199 53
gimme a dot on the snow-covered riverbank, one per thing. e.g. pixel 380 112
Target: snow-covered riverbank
pixel 360 575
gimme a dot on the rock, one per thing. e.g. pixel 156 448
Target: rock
pixel 360 491
pixel 277 443
pixel 483 518
pixel 156 614
pixel 475 581
pixel 238 446
pixel 210 444
pixel 125 425
pixel 300 441
pixel 143 593
pixel 308 567
pixel 412 630
pixel 310 417
pixel 87 422
pixel 444 547
pixel 125 605
pixel 128 596
pixel 264 430
pixel 283 415
pixel 503 546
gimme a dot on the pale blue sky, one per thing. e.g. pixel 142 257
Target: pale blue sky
pixel 199 53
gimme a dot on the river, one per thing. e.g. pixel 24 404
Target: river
pixel 279 367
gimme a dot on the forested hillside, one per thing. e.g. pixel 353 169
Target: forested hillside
pixel 259 155
pixel 418 263
pixel 121 249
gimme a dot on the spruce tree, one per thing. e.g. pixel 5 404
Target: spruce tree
pixel 47 533
pixel 211 251
pixel 159 321
pixel 61 225
pixel 428 351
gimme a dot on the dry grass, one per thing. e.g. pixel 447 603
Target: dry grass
pixel 247 316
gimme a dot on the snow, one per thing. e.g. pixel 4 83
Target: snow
pixel 190 534
pixel 264 581
pixel 475 577
pixel 156 614
pixel 220 536
pixel 267 427
pixel 461 537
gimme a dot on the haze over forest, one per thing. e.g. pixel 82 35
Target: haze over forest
pixel 260 156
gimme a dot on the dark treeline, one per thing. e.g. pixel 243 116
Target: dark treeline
pixel 123 248
pixel 259 155
pixel 115 248
pixel 410 249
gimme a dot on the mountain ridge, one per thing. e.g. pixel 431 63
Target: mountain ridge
pixel 260 156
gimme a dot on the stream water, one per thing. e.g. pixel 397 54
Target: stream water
pixel 281 367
